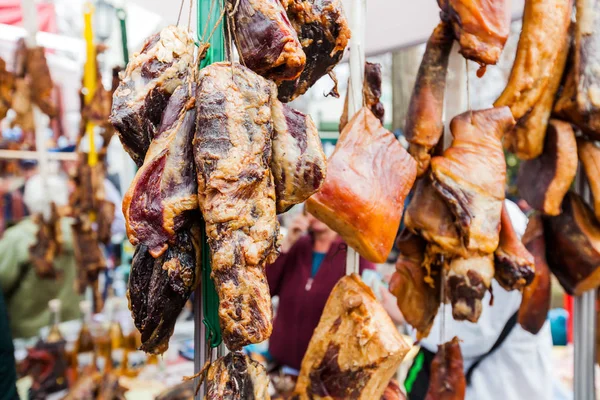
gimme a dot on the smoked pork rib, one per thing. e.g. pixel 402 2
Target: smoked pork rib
pixel 514 266
pixel 150 78
pixel 573 246
pixel 480 26
pixel 545 25
pixel 471 174
pixel 7 86
pixel 447 380
pixel 354 351
pixel 536 296
pixel 232 150
pixel 265 39
pixel 237 377
pixel 424 124
pixel 324 33
pixel 298 163
pixel 368 177
pixel 544 181
pixel 589 154
pixel 371 94
pixel 160 287
pixel 164 190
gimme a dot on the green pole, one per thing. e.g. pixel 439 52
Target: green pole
pixel 122 16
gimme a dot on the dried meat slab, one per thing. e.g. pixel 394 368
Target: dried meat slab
pixel 164 191
pixel 589 154
pixel 354 351
pixel 237 377
pixel 41 81
pixel 298 163
pixel 265 39
pixel 150 79
pixel 232 151
pixel 447 380
pixel 371 94
pixel 368 178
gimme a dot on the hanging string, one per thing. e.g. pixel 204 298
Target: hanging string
pixel 180 10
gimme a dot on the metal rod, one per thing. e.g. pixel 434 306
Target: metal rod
pixel 199 343
pixel 34 155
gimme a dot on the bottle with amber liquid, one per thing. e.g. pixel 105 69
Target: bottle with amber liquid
pixel 54 335
pixel 84 346
pixel 115 332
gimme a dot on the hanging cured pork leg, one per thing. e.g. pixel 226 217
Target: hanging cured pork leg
pixel 544 181
pixel 323 32
pixel 354 351
pixel 424 124
pixel 298 164
pixel 368 177
pixel 232 150
pixel 371 94
pixel 447 380
pixel 467 281
pixel 237 377
pixel 149 80
pixel 164 190
pixel 41 81
pixel 589 154
pixel 265 39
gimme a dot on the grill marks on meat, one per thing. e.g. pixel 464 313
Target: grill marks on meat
pixel 544 181
pixel 355 349
pixel 371 94
pixel 298 163
pixel 232 150
pixel 424 124
pixel 159 288
pixel 545 25
pixel 237 377
pixel 447 380
pixel 589 154
pixel 324 33
pixel 7 86
pixel 164 188
pixel 149 80
pixel 480 26
pixel 265 39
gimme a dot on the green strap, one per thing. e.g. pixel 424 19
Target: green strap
pixel 216 52
pixel 411 377
pixel 122 16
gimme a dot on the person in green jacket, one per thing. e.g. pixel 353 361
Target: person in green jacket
pixel 25 293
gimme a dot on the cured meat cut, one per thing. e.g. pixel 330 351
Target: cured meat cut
pixel 480 26
pixel 22 106
pixel 371 94
pixel 324 33
pixel 536 296
pixel 232 150
pixel 48 244
pixel 150 78
pixel 40 81
pixel 164 190
pixel 573 246
pixel 368 177
pixel 471 174
pixel 393 391
pixel 447 380
pixel 467 281
pixel 545 26
pixel 589 154
pixel 7 83
pixel 236 377
pixel 159 288
pixel 514 266
pixel 355 350
pixel 424 124
pixel 265 39
pixel 418 294
pixel 544 181
pixel 298 164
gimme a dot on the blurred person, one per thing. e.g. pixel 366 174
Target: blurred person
pixel 8 371
pixel 13 206
pixel 25 293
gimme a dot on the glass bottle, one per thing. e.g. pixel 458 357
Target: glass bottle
pixel 54 335
pixel 84 346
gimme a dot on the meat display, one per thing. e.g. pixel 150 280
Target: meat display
pixel 424 124
pixel 48 244
pixel 41 81
pixel 589 154
pixel 355 350
pixel 545 26
pixel 480 26
pixel 237 377
pixel 447 381
pixel 22 106
pixel 7 86
pixel 368 177
pixel 393 391
pixel 298 163
pixel 232 150
pixel 323 32
pixel 159 288
pixel 536 297
pixel 164 189
pixel 371 94
pixel 573 246
pixel 94 385
pixel 417 293
pixel 468 280
pixel 514 266
pixel 265 39
pixel 471 174
pixel 150 79
pixel 544 181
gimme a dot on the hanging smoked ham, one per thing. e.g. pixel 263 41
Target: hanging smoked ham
pixel 545 26
pixel 447 381
pixel 544 181
pixel 424 124
pixel 354 351
pixel 480 26
pixel 7 86
pixel 368 177
pixel 41 81
pixel 236 377
pixel 589 154
pixel 573 246
pixel 371 94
